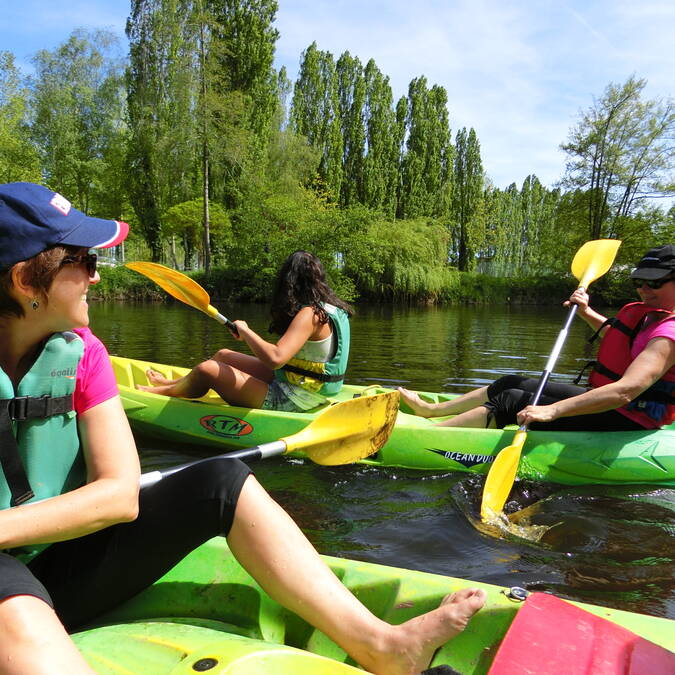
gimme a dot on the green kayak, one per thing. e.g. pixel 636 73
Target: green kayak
pixel 208 615
pixel 569 458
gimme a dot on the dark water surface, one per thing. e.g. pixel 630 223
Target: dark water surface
pixel 610 546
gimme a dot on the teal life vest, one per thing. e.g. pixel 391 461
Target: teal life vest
pixel 39 444
pixel 322 377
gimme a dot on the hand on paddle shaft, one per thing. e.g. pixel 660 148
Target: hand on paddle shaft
pixel 182 288
pixel 591 261
pixel 343 433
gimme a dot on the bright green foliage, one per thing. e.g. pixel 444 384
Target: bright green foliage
pixel 244 32
pixel 161 85
pixel 403 260
pixel 425 168
pixel 184 221
pixel 380 171
pixel 351 100
pixel 315 115
pixel 468 208
pixel 78 115
pixel 19 160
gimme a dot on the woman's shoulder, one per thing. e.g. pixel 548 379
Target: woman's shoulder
pixel 89 339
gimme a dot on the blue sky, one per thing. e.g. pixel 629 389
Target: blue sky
pixel 518 71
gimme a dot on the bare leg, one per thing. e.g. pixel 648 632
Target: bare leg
pixel 273 549
pixel 461 404
pixel 232 385
pixel 33 640
pixel 247 364
pixel 477 418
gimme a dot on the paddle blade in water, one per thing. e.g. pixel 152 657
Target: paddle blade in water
pixel 593 259
pixel 174 283
pixel 499 480
pixel 349 431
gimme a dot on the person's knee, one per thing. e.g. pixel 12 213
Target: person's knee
pixel 503 384
pixel 223 355
pixel 208 371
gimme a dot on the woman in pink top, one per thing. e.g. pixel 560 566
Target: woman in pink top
pixel 78 548
pixel 633 382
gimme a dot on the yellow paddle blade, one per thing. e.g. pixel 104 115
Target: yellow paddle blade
pixel 176 284
pixel 347 431
pixel 499 480
pixel 593 259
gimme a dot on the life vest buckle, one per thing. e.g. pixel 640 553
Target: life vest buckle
pixel 18 408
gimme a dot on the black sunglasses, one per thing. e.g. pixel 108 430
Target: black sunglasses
pixel 651 283
pixel 89 259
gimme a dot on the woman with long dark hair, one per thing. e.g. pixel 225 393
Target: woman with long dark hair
pixel 296 373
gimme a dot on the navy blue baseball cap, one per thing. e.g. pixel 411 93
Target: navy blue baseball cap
pixel 34 218
pixel 656 263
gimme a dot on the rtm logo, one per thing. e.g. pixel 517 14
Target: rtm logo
pixel 223 425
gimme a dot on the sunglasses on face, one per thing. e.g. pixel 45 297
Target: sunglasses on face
pixel 88 259
pixel 651 283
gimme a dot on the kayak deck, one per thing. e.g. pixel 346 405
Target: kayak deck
pixel 208 609
pixel 568 458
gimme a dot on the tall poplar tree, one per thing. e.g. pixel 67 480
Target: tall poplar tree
pixel 467 199
pixel 162 82
pixel 315 114
pixel 351 102
pixel 380 171
pixel 426 173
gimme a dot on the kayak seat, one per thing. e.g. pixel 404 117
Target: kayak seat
pixel 550 636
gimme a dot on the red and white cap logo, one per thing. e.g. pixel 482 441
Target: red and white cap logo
pixel 60 203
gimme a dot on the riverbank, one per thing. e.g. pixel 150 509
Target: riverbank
pixel 231 285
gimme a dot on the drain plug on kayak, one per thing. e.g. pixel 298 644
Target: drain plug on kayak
pixel 204 664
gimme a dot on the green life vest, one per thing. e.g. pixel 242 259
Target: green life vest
pixel 325 378
pixel 39 444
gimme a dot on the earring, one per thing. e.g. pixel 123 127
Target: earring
pixel 35 304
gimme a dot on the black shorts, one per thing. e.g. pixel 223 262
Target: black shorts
pixel 508 395
pixel 84 577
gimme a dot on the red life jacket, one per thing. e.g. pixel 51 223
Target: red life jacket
pixel 656 404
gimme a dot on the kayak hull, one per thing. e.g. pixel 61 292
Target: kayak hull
pixel 568 458
pixel 207 614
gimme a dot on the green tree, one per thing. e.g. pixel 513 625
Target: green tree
pixel 620 153
pixel 426 174
pixel 162 90
pixel 468 212
pixel 77 114
pixel 381 163
pixel 19 160
pixel 315 115
pixel 351 101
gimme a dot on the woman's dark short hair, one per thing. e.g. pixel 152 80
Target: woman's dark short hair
pixel 38 271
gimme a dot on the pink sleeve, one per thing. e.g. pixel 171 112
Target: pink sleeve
pixel 95 381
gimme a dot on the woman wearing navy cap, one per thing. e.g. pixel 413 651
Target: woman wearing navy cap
pixel 632 384
pixel 77 537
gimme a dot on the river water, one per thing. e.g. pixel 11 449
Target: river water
pixel 611 546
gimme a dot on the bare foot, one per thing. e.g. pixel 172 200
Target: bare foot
pixel 415 642
pixel 156 378
pixel 412 398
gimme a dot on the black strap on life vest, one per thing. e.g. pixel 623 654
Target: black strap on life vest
pixel 20 409
pixel 322 377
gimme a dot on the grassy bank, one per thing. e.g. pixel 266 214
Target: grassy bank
pixel 120 283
